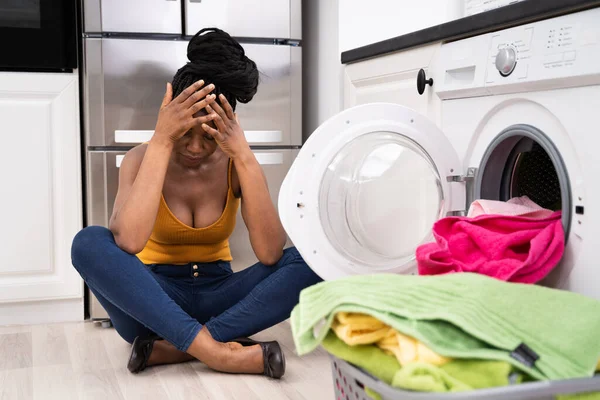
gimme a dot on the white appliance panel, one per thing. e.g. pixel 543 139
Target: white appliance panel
pixel 555 53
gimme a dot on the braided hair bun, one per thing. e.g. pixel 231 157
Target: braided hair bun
pixel 217 58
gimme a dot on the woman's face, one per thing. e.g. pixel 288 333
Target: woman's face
pixel 196 145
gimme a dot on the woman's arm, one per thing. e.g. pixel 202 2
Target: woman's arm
pixel 266 232
pixel 142 175
pixel 267 235
pixel 141 178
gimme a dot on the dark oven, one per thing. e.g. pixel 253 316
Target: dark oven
pixel 38 35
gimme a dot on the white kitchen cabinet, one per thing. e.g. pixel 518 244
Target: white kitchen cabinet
pixel 393 79
pixel 40 196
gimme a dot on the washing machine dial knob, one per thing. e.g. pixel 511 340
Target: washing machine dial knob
pixel 506 61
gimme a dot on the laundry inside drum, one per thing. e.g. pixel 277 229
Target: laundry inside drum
pixel 379 198
pixel 523 161
pixel 534 175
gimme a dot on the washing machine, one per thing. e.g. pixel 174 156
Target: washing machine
pixel 519 117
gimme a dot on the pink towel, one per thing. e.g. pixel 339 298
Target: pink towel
pixel 509 248
pixel 522 206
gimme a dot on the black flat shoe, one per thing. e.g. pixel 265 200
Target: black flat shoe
pixel 274 360
pixel 140 353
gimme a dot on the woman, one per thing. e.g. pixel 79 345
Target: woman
pixel 162 271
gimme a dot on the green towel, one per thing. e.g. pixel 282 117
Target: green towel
pixel 421 377
pixel 465 316
pixel 481 374
pixel 455 376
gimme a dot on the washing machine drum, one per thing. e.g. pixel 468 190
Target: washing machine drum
pixel 366 189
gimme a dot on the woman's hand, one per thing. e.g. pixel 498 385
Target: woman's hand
pixel 176 117
pixel 229 134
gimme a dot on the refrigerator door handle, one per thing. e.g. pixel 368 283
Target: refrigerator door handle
pixel 133 136
pixel 119 160
pixel 262 158
pixel 253 137
pixel 264 136
pixel 269 158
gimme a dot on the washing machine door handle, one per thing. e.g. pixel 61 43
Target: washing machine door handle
pixel 469 182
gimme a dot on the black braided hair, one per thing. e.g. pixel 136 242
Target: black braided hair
pixel 217 58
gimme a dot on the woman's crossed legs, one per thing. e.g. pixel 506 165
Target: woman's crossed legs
pixel 196 310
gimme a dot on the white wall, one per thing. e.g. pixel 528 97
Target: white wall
pixel 366 22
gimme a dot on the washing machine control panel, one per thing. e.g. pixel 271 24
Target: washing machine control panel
pixel 523 58
pixel 509 52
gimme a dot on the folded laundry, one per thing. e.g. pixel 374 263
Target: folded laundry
pixel 518 206
pixel 455 376
pixel 508 248
pixel 368 357
pixel 545 333
pixel 409 350
pixel 356 329
pixel 428 378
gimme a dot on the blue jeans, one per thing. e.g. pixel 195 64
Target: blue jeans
pixel 173 303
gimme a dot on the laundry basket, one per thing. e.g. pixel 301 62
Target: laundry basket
pixel 350 383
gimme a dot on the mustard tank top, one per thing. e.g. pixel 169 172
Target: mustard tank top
pixel 173 242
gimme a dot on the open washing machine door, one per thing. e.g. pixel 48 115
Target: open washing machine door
pixel 366 189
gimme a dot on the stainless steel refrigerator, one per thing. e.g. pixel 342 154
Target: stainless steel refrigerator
pixel 132 48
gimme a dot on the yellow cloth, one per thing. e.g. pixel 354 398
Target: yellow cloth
pixel 409 350
pixel 360 329
pixel 173 242
pixel 355 329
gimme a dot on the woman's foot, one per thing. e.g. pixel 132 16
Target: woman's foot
pixel 141 349
pixel 249 357
pixel 240 356
pixel 273 358
pixel 154 351
pixel 165 353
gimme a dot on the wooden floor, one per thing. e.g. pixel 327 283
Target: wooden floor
pixel 85 361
